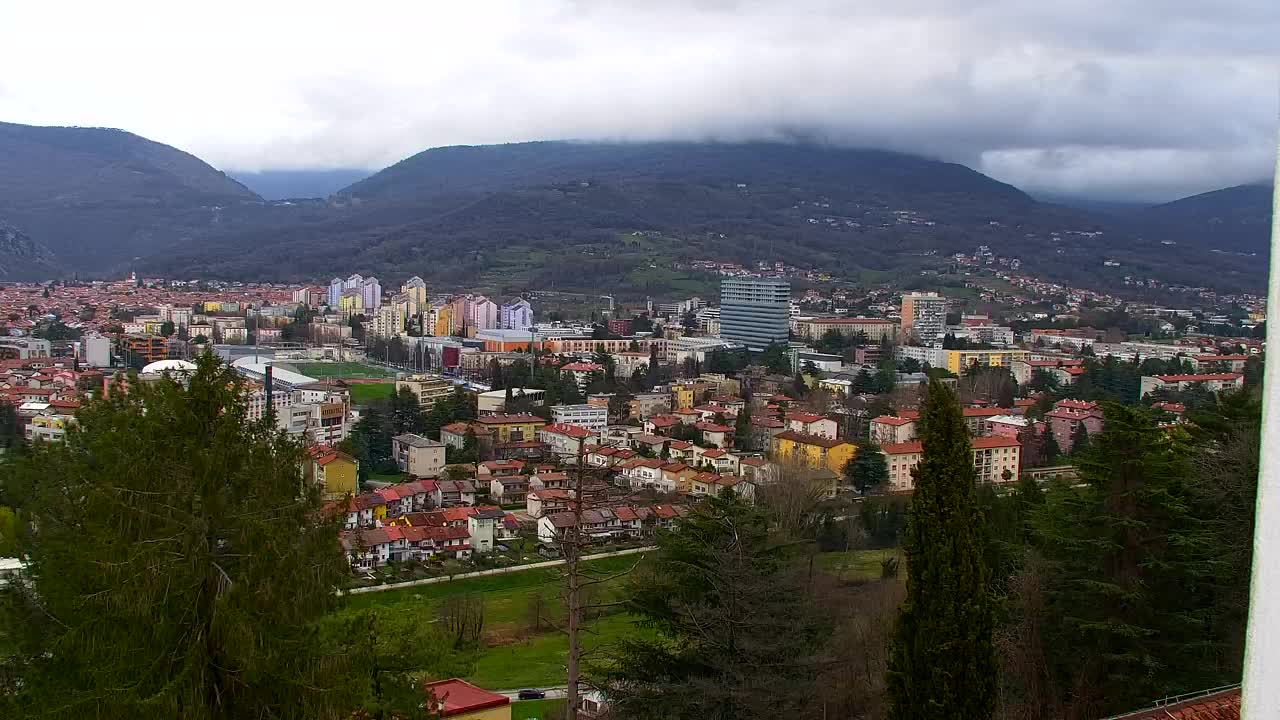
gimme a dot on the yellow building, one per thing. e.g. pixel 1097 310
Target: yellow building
pixel 336 472
pixel 812 450
pixel 460 700
pixel 681 397
pixel 444 322
pixel 959 360
pixel 512 428
pixel 351 303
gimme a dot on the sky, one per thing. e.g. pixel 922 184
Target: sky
pixel 1123 99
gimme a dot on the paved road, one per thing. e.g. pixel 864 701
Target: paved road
pixel 496 571
pixel 553 693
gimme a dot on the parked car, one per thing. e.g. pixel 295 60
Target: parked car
pixel 531 694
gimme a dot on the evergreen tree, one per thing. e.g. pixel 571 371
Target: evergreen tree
pixel 1079 440
pixel 742 429
pixel 738 634
pixel 943 663
pixel 867 470
pixel 184 579
pixel 1132 587
pixel 1050 451
pixel 371 440
pixel 406 413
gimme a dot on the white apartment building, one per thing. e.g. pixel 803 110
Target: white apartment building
pixel 924 316
pixel 592 417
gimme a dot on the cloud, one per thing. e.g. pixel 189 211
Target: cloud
pixel 1147 99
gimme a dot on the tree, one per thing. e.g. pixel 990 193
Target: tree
pixel 406 413
pixel 1130 592
pixel 738 633
pixel 167 329
pixel 1080 440
pixel 1050 451
pixel 943 663
pixel 742 432
pixel 371 441
pixel 184 580
pixel 867 470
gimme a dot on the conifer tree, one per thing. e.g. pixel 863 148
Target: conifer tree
pixel 1080 440
pixel 178 562
pixel 1050 451
pixel 943 663
pixel 1131 592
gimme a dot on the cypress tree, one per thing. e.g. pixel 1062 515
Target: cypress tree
pixel 1050 451
pixel 1080 440
pixel 943 663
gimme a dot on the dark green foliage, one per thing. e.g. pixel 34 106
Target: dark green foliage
pixel 184 578
pixel 371 442
pixel 1130 596
pixel 776 359
pixel 884 519
pixel 1253 372
pixel 1050 451
pixel 738 633
pixel 943 663
pixel 867 470
pixel 1080 440
pixel 406 413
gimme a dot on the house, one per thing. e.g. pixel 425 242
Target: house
pixel 718 460
pixel 460 700
pixel 644 472
pixel 661 424
pixel 548 480
pixel 1213 382
pixel 1225 363
pixel 509 489
pixel 417 455
pixel 1068 415
pixel 651 444
pixel 679 450
pixel 552 526
pixel 811 424
pixel 687 416
pixel 720 436
pixel 888 429
pixel 604 457
pixel 454 435
pixel 542 502
pixel 498 468
pixel 975 418
pixel 567 441
pixel 677 475
pixel 993 457
pixel 454 492
pixel 812 450
pixel 482 529
pixel 511 428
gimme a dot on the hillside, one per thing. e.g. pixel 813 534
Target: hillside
pixel 98 196
pixel 629 216
pixel 1234 219
pixel 21 257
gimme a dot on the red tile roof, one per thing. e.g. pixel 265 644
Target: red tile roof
pixel 978 443
pixel 582 367
pixel 892 420
pixel 1199 378
pixel 457 697
pixel 509 419
pixel 1224 705
pixel 572 431
pixel 984 411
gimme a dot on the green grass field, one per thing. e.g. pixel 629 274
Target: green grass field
pixel 342 370
pixel 537 710
pixel 365 393
pixel 853 564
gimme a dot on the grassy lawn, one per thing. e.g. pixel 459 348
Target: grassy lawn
pixel 342 369
pixel 387 477
pixel 365 393
pixel 539 661
pixel 537 710
pixel 853 564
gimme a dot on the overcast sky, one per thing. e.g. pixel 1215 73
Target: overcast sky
pixel 1145 99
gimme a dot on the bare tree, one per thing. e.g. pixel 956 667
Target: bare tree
pixel 792 494
pixel 853 682
pixel 1026 685
pixel 463 617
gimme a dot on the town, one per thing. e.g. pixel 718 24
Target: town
pixel 456 433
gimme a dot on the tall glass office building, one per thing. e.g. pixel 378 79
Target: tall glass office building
pixel 755 311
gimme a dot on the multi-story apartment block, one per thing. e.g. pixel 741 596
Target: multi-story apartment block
pixel 993 458
pixel 592 417
pixel 428 388
pixel 876 330
pixel 924 316
pixel 417 455
pixel 755 311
